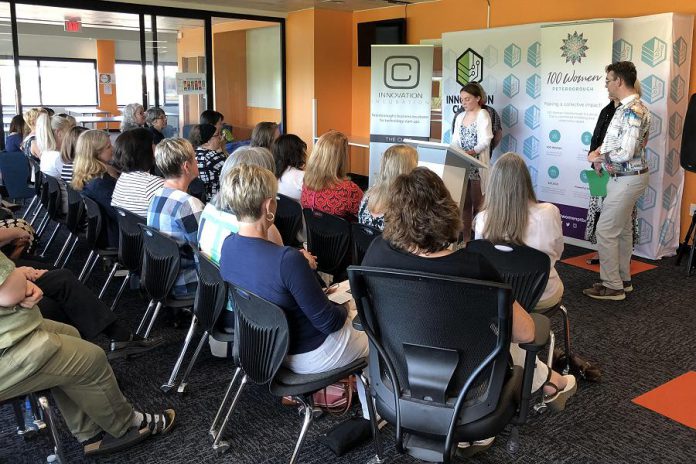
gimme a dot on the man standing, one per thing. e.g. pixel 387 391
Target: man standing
pixel 623 155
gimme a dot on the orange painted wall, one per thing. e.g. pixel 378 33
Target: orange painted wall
pixel 430 20
pixel 299 73
pixel 229 65
pixel 106 63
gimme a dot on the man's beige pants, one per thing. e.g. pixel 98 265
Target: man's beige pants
pixel 78 374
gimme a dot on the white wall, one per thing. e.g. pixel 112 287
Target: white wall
pixel 263 67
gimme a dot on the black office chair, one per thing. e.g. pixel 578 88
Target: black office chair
pixel 130 251
pixel 160 267
pixel 261 344
pixel 288 220
pixel 527 271
pixel 54 208
pixel 35 203
pixel 211 300
pixel 440 387
pixel 93 237
pixel 75 223
pixel 15 171
pixel 361 237
pixel 328 238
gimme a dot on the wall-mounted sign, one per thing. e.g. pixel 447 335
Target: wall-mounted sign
pixel 73 25
pixel 190 83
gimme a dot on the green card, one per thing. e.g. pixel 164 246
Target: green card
pixel 597 182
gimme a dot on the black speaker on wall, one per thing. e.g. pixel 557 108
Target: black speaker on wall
pixel 688 146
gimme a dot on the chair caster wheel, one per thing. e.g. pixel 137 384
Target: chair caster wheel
pixel 540 408
pixel 166 388
pixel 513 444
pixel 221 448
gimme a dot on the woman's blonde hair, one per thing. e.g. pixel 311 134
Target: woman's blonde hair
pixel 171 154
pixel 397 160
pixel 327 164
pixel 46 129
pixel 30 117
pixel 87 165
pixel 508 195
pixel 244 188
pixel 67 149
pixel 257 156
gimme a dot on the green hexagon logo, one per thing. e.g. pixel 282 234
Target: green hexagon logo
pixel 469 67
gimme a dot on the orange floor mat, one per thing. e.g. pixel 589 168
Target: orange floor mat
pixel 676 399
pixel 579 261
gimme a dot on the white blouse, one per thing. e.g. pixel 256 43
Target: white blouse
pixel 51 163
pixel 544 233
pixel 290 183
pixel 484 135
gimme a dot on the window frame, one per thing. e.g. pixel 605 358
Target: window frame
pixel 39 59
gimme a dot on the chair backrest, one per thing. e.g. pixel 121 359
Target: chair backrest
pixel 211 294
pixel 362 236
pixel 55 202
pixel 38 176
pixel 288 219
pixel 328 238
pixel 161 260
pixel 443 341
pixel 130 239
pixel 15 170
pixel 76 210
pixel 261 335
pixel 524 268
pixel 197 189
pixel 94 222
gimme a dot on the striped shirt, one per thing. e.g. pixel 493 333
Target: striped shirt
pixel 66 172
pixel 134 190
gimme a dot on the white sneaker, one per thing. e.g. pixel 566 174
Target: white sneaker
pixel 468 449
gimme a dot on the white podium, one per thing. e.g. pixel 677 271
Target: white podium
pixel 451 163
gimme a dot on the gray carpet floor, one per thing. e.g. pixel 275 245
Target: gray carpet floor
pixel 640 343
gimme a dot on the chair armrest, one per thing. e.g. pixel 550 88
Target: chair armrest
pixel 357 323
pixel 542 329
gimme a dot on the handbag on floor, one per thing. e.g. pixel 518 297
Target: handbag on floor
pixel 336 398
pixel 579 366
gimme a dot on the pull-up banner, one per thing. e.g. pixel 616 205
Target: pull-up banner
pixel 400 97
pixel 573 57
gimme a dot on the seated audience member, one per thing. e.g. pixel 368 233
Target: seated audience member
pixel 264 134
pixel 511 214
pixel 135 186
pixel 133 117
pixel 176 213
pixel 39 354
pixel 326 187
pixel 17 236
pixel 71 119
pixel 67 300
pixel 290 154
pixel 321 334
pixel 67 152
pixel 156 121
pixel 29 145
pixel 13 142
pixel 396 160
pixel 212 117
pixel 95 176
pixel 420 222
pixel 209 156
pixel 50 132
pixel 218 219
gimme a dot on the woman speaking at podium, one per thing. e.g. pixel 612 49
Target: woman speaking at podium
pixel 473 134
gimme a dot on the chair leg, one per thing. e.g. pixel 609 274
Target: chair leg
pixel 31 205
pixel 108 279
pixel 154 318
pixel 308 417
pixel 83 272
pixel 42 224
pixel 213 432
pixel 63 250
pixel 566 337
pixel 120 292
pixel 376 435
pixel 50 240
pixel 171 383
pixel 145 316
pixel 222 446
pixel 91 268
pixel 57 448
pixel 70 252
pixel 540 406
pixel 199 348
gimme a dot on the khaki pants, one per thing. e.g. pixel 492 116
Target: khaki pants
pixel 78 374
pixel 615 229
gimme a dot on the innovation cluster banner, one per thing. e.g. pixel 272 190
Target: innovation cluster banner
pixel 400 101
pixel 547 83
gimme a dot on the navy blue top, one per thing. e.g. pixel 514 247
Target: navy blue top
pixel 282 276
pixel 100 190
pixel 13 143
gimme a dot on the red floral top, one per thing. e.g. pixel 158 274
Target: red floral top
pixel 340 200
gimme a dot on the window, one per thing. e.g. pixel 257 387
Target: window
pixel 51 82
pixel 129 83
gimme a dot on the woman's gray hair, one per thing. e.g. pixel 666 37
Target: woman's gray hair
pixel 153 114
pixel 257 156
pixel 129 116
